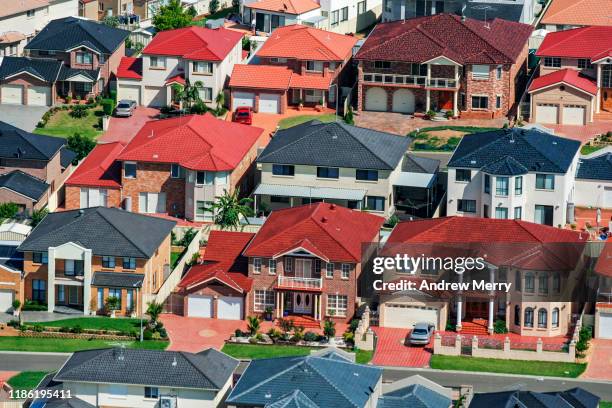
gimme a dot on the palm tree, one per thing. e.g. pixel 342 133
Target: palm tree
pixel 229 209
pixel 154 310
pixel 220 100
pixel 187 94
pixel 253 325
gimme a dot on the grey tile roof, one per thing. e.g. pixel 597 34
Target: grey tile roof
pixel 17 143
pixel 47 69
pixel 67 73
pixel 24 184
pixel 596 168
pixel 72 402
pixel 67 157
pixel 106 231
pixel 414 396
pixel 533 149
pixel 327 382
pixel 417 164
pixel 573 398
pixel 209 369
pixel 67 33
pixel 10 258
pixel 506 166
pixel 297 399
pixel 335 144
pixel 117 279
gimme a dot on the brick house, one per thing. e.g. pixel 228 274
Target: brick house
pixel 296 64
pixel 443 63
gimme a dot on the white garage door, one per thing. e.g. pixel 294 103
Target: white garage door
pixel 199 306
pixel 230 308
pixel 6 300
pixel 131 92
pixel 243 99
pixel 403 101
pixel 269 103
pixel 155 96
pixel 12 94
pixel 573 115
pixel 604 330
pixel 376 100
pixel 39 96
pixel 607 199
pixel 547 113
pixel 405 316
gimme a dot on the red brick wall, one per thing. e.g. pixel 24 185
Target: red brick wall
pixel 73 197
pixel 9 196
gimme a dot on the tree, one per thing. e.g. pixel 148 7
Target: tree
pixel 188 94
pixel 172 16
pixel 37 216
pixel 235 4
pixel 229 209
pixel 253 325
pixel 81 145
pixel 220 100
pixel 111 21
pixel 213 6
pixel 154 310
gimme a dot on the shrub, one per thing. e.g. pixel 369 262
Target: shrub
pixel 37 328
pixel 64 329
pixel 79 111
pixel 13 323
pixel 16 304
pixel 430 114
pixel 147 334
pixel 329 328
pixel 113 96
pixel 239 333
pixel 32 305
pixel 156 336
pixel 134 334
pixel 68 99
pixel 285 324
pixel 500 327
pixel 107 106
pixel 77 329
pixel 391 222
pixel 348 116
pixel 311 336
pixel 274 333
pixel 37 217
pixel 199 108
pixel 8 210
pixel 253 324
pixel 349 338
pixel 188 237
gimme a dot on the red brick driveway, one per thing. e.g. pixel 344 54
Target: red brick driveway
pixel 124 129
pixel 195 334
pixel 600 365
pixel 391 351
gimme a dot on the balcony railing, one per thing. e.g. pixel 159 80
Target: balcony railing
pixel 300 283
pixel 414 80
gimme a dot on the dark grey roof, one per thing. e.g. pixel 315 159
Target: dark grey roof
pixel 533 149
pixel 72 402
pixel 209 369
pixel 327 382
pixel 506 11
pixel 573 398
pixel 335 144
pixel 17 143
pixel 417 164
pixel 596 168
pixel 70 32
pixel 24 184
pixel 297 399
pixel 44 68
pixel 506 166
pixel 10 258
pixel 106 231
pixel 414 396
pixel 67 72
pixel 67 157
pixel 118 279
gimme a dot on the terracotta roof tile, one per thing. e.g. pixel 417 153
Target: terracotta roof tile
pixel 578 12
pixel 99 168
pixel 587 42
pixel 19 6
pixel 285 6
pixel 310 81
pixel 567 76
pixel 260 76
pixel 130 68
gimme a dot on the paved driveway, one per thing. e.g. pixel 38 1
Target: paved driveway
pixel 21 116
pixel 124 129
pixel 391 351
pixel 600 365
pixel 194 334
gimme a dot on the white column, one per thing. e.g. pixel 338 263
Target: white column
pixel 87 277
pixel 455 105
pixel 459 305
pixel 278 305
pixel 491 300
pixel 51 280
pixel 427 99
pixel 320 307
pixel 316 307
pixel 282 304
pixel 598 101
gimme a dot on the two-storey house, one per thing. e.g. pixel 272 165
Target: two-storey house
pixel 567 14
pixel 297 65
pixel 443 63
pixel 575 82
pixel 183 56
pixel 81 258
pixel 69 57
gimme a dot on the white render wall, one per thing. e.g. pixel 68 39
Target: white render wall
pixel 591 192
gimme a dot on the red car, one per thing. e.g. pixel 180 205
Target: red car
pixel 244 115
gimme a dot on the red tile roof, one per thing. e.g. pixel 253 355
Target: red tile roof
pixel 195 43
pixel 130 68
pixel 260 76
pixel 222 262
pixel 566 76
pixel 177 79
pixel 196 142
pixel 587 42
pixel 310 81
pixel 327 230
pixel 99 168
pixel 604 263
pixel 578 12
pixel 465 42
pixel 285 6
pixel 307 43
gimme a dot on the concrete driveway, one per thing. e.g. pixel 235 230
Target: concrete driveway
pixel 600 361
pixel 21 116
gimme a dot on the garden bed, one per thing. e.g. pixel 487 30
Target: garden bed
pixel 442 138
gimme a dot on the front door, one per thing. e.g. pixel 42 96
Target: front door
pixel 302 303
pixel 606 99
pixel 476 310
pixel 445 100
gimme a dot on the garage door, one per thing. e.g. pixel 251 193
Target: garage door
pixel 403 101
pixel 155 96
pixel 230 308
pixel 131 92
pixel 243 99
pixel 269 103
pixel 607 198
pixel 12 94
pixel 376 100
pixel 405 316
pixel 604 330
pixel 573 115
pixel 199 306
pixel 547 113
pixel 39 96
pixel 6 300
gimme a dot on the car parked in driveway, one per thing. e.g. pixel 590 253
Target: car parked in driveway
pixel 421 334
pixel 243 115
pixel 125 108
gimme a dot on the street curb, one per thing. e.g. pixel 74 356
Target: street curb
pixel 36 353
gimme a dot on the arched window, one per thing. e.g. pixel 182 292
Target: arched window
pixel 555 317
pixel 528 321
pixel 517 315
pixel 529 283
pixel 517 280
pixel 543 283
pixel 542 318
pixel 556 283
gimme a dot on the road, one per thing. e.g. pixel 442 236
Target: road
pixel 31 361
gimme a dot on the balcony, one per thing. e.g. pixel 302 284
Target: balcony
pixel 411 80
pixel 289 282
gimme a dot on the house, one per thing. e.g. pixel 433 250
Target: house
pixel 78 259
pixel 298 64
pixel 514 174
pixel 12 233
pixel 70 57
pixel 572 398
pixel 33 168
pixel 594 181
pixel 443 63
pixel 119 377
pixel 175 166
pixel 183 56
pixel 575 82
pixel 603 306
pixel 334 162
pixel 567 14
pixel 415 391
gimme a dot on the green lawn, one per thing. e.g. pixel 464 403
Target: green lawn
pixel 16 343
pixel 296 120
pixel 364 356
pixel 491 365
pixel 61 124
pixel 605 404
pixel 174 258
pixel 26 380
pixel 587 149
pixel 426 139
pixel 95 323
pixel 256 351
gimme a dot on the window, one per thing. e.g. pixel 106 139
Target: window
pixel 129 170
pixel 206 94
pixel 418 69
pixel 314 66
pixel 366 175
pixel 375 203
pixel 84 57
pixel 31 13
pixel 81 87
pixel 517 315
pixel 201 67
pixel 468 206
pixel 280 199
pixel 101 59
pixel 501 186
pixel 328 172
pixel 93 197
pixel 176 171
pixel 529 283
pixel 463 175
pixel 39 290
pixel 157 62
pixel 278 60
pixel 336 305
pixel 283 170
pixel 100 298
pixel 498 100
pixel 317 267
pixel 288 265
pixel 205 178
pixel 501 213
pixel 382 64
pixel 518 213
pixel 361 7
pixel 388 6
pixel 40 258
pixel 69 267
pixel 203 209
pixel 346 271
pixel 263 299
pixel 222 178
pixel 542 318
pixel 556 283
pixel 517 281
pixel 129 263
pixel 528 317
pixel 487 184
pixel 543 283
pixel 272 266
pixel 518 185
pixel 545 181
pixel 498 72
pixel 332 67
pixel 552 62
pixel 480 102
pixel 344 16
pixel 108 262
pixel 277 21
pixel 584 64
pixel 555 317
pixel 543 214
pixel 335 17
pixel 329 270
pixel 480 72
pixel 256 265
pixel 151 392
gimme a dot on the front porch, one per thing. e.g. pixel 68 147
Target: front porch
pixel 303 306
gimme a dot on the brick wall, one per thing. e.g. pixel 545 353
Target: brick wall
pixel 243 175
pixel 12 281
pixel 9 196
pixel 73 197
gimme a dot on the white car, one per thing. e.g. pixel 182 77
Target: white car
pixel 125 108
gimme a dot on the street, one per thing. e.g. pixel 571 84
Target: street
pixel 10 361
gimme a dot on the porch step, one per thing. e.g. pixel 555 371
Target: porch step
pixel 305 321
pixel 477 328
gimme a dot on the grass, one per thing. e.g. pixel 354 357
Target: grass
pixel 61 124
pixel 424 139
pixel 174 258
pixel 364 356
pixel 257 351
pixel 51 345
pixel 296 120
pixel 588 149
pixel 95 323
pixel 605 404
pixel 491 365
pixel 26 380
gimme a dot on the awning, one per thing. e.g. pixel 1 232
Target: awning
pixel 312 192
pixel 410 179
pixel 118 279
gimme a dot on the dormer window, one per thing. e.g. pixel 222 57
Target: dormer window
pixel 83 57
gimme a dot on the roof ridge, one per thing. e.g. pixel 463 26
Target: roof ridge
pixel 479 148
pixel 84 214
pixel 119 231
pixel 24 173
pixel 343 126
pixel 318 223
pixel 333 385
pixel 103 352
pixel 308 31
pixel 485 39
pixel 305 135
pixel 187 355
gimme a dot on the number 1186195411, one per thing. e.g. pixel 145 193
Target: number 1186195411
pixel 43 394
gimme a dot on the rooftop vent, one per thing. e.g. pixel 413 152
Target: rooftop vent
pixel 174 363
pixel 332 206
pixel 324 220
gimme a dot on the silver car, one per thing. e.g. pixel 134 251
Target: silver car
pixel 125 108
pixel 421 334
